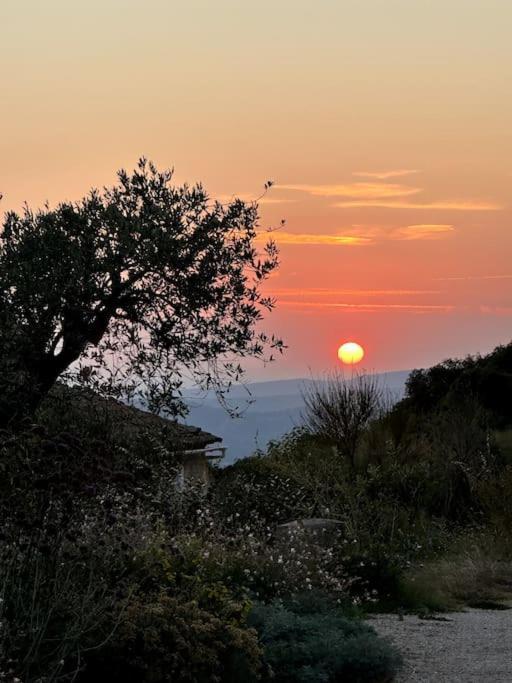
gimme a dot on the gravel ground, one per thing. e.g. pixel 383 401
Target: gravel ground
pixel 463 647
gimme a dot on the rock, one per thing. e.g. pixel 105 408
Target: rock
pixel 315 529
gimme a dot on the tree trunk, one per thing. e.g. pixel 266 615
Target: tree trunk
pixel 27 377
pixel 24 388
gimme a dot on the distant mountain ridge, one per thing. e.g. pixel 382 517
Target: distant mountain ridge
pixel 269 410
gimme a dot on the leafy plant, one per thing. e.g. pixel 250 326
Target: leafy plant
pixel 321 645
pixel 165 639
pixel 138 282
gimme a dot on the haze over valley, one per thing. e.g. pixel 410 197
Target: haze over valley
pixel 268 410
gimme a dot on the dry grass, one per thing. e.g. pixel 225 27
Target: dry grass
pixel 473 578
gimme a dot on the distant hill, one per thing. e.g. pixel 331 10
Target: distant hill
pixel 270 409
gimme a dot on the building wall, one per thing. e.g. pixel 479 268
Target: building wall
pixel 196 468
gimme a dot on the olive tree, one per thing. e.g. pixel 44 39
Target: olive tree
pixel 128 289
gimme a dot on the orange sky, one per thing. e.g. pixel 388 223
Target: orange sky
pixel 384 123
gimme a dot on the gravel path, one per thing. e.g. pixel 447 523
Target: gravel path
pixel 474 646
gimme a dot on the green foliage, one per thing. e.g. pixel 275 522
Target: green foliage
pixel 164 639
pixel 107 571
pixel 76 567
pixel 54 602
pixel 253 491
pixel 340 409
pixel 386 521
pixel 475 571
pixel 138 282
pixel 488 379
pixel 320 645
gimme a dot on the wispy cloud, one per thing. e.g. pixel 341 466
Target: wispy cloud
pixel 501 311
pixel 357 236
pixel 412 308
pixel 386 196
pixel 313 239
pixel 248 197
pixel 369 307
pixel 326 292
pixel 474 277
pixel 423 231
pixel 382 233
pixel 444 205
pixel 384 175
pixel 362 191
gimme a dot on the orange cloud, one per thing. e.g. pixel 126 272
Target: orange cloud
pixel 384 175
pixel 247 197
pixel 325 292
pixel 423 232
pixel 474 277
pixel 369 308
pixel 386 196
pixel 445 205
pixel 313 239
pixel 360 235
pixel 364 191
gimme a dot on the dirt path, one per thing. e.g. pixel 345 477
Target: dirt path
pixel 468 647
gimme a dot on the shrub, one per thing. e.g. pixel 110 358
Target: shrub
pixel 58 593
pixel 477 572
pixel 321 645
pixel 165 639
pixel 256 492
pixel 384 510
pixel 259 566
pixel 340 409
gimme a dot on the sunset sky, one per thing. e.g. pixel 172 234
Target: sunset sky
pixel 385 125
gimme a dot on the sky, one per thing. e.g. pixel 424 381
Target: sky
pixel 384 124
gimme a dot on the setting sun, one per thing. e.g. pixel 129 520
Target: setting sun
pixel 350 353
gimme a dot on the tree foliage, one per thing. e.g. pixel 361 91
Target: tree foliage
pixel 485 379
pixel 340 409
pixel 139 282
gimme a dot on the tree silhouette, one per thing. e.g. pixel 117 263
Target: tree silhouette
pixel 340 409
pixel 127 290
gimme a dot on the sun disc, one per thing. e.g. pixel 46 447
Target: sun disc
pixel 350 353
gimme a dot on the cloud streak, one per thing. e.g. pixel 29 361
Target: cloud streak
pixel 249 198
pixel 442 205
pixel 360 235
pixel 369 308
pixel 326 292
pixel 459 278
pixel 423 232
pixel 313 239
pixel 385 175
pixel 500 311
pixel 312 306
pixel 358 191
pixel 385 195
